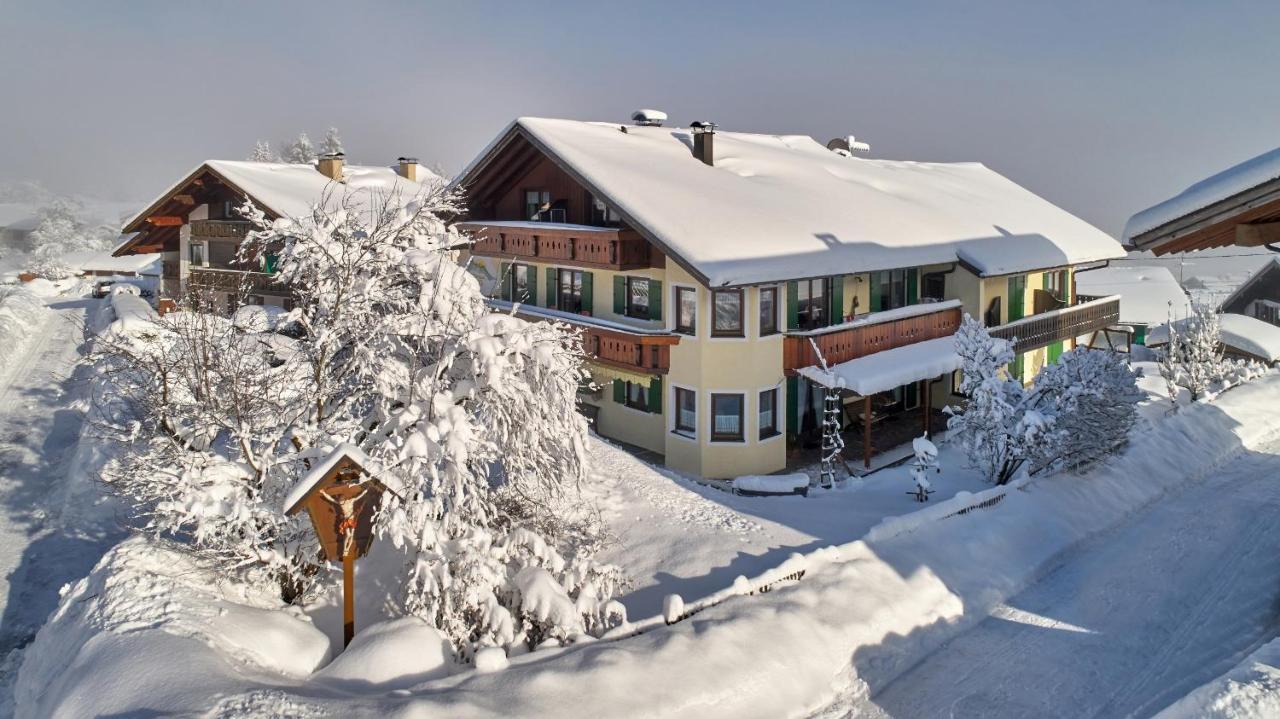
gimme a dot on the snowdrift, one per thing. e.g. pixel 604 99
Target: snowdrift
pixel 21 315
pixel 863 613
pixel 1250 690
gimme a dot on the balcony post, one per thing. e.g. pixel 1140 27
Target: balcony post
pixel 866 431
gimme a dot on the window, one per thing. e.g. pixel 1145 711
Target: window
pixel 769 413
pixel 1055 283
pixel 768 311
pixel 811 303
pixel 726 418
pixel 269 262
pixel 258 300
pixel 637 396
pixel 199 254
pixel 726 318
pixel 991 317
pixel 518 289
pixel 891 289
pixel 570 294
pixel 638 297
pixel 601 214
pixel 957 381
pixel 686 411
pixel 687 310
pixel 933 286
pixel 535 203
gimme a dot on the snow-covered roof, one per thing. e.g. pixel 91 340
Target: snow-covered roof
pixel 1146 292
pixel 883 371
pixel 776 207
pixel 291 190
pixel 1241 333
pixel 1231 181
pixel 1267 266
pixel 105 262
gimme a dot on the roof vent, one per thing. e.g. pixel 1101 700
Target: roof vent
pixel 704 134
pixel 649 118
pixel 847 146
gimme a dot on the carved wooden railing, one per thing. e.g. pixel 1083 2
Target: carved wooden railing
pixel 643 352
pixel 1077 320
pixel 226 280
pixel 220 229
pixel 603 247
pixel 870 335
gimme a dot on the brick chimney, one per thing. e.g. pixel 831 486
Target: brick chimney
pixel 704 135
pixel 408 168
pixel 331 166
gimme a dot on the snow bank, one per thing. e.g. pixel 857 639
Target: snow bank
pixel 395 654
pixel 838 623
pixel 771 484
pixel 22 314
pixel 1252 689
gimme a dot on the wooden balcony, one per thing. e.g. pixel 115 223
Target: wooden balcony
pixel 1066 323
pixel 639 351
pixel 220 229
pixel 872 333
pixel 214 279
pixel 608 248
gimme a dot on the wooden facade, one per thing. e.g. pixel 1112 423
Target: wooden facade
pixel 598 248
pixel 640 352
pixel 843 344
pixel 212 279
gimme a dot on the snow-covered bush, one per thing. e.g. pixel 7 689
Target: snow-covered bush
pixel 1093 396
pixel 1192 358
pixel 473 412
pixel 998 427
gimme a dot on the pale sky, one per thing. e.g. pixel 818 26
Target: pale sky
pixel 1101 107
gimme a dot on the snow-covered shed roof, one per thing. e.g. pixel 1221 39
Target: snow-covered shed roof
pixel 291 190
pixel 1242 333
pixel 776 207
pixel 882 371
pixel 1230 182
pixel 1146 292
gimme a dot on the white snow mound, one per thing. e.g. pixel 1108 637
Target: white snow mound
pixel 395 654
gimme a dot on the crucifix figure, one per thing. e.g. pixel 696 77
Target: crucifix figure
pixel 346 517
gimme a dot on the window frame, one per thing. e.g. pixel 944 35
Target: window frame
pixel 560 290
pixel 640 405
pixel 741 435
pixel 692 329
pixel 512 274
pixel 741 330
pixel 629 309
pixel 771 430
pixel 203 246
pixel 805 308
pixel 994 306
pixel 773 327
pixel 544 198
pixel 677 427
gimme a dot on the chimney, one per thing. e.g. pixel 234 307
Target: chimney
pixel 408 168
pixel 331 166
pixel 704 135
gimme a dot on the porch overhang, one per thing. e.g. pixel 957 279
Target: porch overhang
pixel 882 371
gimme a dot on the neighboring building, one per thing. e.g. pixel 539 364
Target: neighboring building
pixel 705 267
pixel 1242 337
pixel 1149 295
pixel 196 226
pixel 1258 296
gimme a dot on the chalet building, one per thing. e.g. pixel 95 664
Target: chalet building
pixel 1258 296
pixel 197 227
pixel 723 280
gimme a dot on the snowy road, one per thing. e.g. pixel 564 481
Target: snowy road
pixel 49 533
pixel 1128 622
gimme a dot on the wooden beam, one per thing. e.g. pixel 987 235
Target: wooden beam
pixel 166 220
pixel 1258 234
pixel 184 199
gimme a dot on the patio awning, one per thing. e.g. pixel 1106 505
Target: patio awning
pixel 883 371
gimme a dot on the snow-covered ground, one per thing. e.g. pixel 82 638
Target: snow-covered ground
pixel 1251 690
pixel 54 524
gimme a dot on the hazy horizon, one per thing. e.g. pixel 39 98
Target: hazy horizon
pixel 1102 110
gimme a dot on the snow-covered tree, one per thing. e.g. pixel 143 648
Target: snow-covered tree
pixel 262 152
pixel 62 231
pixel 470 412
pixel 332 143
pixel 1093 396
pixel 300 151
pixel 998 427
pixel 1192 358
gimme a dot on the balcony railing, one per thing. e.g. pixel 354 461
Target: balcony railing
pixel 872 333
pixel 220 229
pixel 1066 323
pixel 577 245
pixel 609 343
pixel 215 279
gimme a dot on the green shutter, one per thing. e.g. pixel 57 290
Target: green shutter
pixel 837 299
pixel 504 281
pixel 793 306
pixel 793 396
pixel 1055 351
pixel 654 403
pixel 619 295
pixel 1019 366
pixel 551 287
pixel 874 283
pixel 1140 335
pixel 913 286
pixel 269 263
pixel 587 305
pixel 655 300
pixel 619 391
pixel 1017 296
pixel 533 286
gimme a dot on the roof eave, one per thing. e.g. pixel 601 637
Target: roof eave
pixel 1210 214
